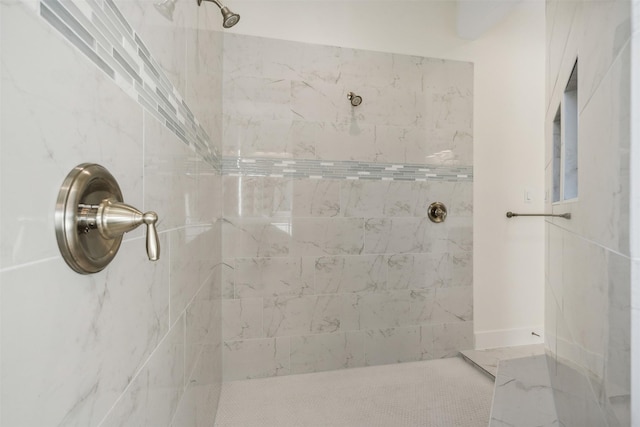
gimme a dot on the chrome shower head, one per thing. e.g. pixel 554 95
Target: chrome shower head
pixel 355 99
pixel 229 19
pixel 166 8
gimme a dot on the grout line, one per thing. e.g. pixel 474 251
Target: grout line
pixel 610 67
pixel 29 264
pixel 135 375
pixel 590 241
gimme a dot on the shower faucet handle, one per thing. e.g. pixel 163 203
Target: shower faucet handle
pixel 437 212
pixel 91 219
pixel 114 218
pixel 153 242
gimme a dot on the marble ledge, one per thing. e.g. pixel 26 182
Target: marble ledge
pixel 487 360
pixel 523 394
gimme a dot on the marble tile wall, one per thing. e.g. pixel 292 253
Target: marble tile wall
pixel 589 262
pixel 289 100
pixel 138 343
pixel 329 270
pixel 635 214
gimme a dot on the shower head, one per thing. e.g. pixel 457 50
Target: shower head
pixel 229 19
pixel 355 99
pixel 166 8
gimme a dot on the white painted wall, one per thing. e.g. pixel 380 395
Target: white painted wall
pixel 509 130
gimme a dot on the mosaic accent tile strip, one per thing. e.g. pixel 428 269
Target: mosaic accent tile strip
pixel 322 169
pixel 107 39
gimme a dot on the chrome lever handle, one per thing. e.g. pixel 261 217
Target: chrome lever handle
pixel 153 243
pixel 118 218
pixel 112 219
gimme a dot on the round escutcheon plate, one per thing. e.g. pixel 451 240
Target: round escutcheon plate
pixel 437 212
pixel 83 250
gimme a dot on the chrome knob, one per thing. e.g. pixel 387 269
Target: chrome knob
pixel 91 219
pixel 437 212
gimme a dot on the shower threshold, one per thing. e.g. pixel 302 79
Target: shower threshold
pixel 487 360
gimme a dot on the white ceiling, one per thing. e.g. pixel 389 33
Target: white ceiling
pixel 476 17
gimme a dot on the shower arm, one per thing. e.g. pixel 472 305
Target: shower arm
pixel 212 1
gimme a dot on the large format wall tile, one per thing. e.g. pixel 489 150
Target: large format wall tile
pixel 606 29
pixel 419 271
pixel 189 264
pixel 331 261
pixel 406 98
pixel 99 331
pixel 256 237
pixel 259 358
pixel 404 235
pixel 381 309
pixel 604 168
pixel 313 353
pixel 334 236
pixel 263 277
pixel 350 274
pixel 199 401
pixel 155 393
pixel 63 113
pixel 164 39
pixel 588 265
pixel 287 316
pixel 381 198
pixel 204 79
pixel 393 345
pixel 449 338
pixel 316 198
pixel 242 318
pixel 139 342
pixel 203 317
pixel 170 168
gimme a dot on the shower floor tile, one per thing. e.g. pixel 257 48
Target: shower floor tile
pixel 439 393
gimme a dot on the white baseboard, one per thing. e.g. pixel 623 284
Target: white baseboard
pixel 508 337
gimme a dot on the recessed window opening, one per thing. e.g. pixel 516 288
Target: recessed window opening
pixel 570 117
pixel 565 143
pixel 557 152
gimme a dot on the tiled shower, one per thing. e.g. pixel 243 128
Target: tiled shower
pixel 139 342
pixel 293 228
pixel 330 259
pixel 591 259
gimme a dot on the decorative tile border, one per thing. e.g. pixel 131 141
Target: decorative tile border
pixel 322 169
pixel 104 36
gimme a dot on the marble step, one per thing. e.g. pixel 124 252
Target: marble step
pixel 543 390
pixel 523 395
pixel 487 360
